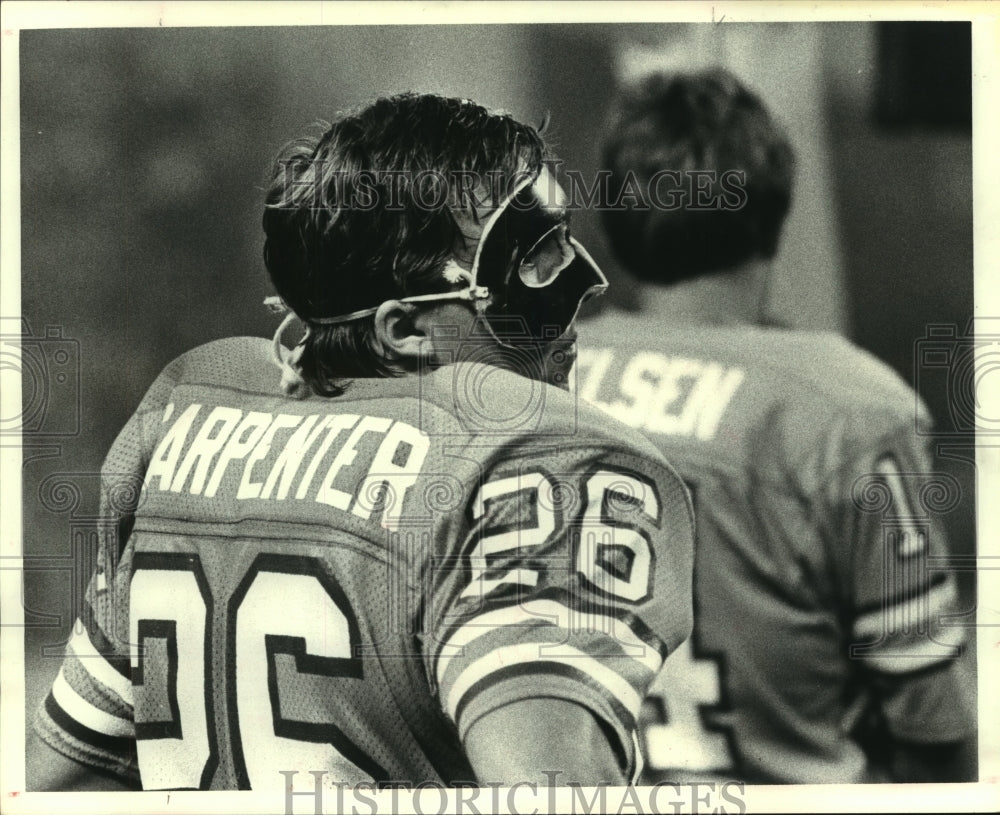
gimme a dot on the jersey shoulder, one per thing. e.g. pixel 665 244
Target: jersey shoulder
pixel 235 363
pixel 781 368
pixel 516 421
pixel 491 402
pixel 834 368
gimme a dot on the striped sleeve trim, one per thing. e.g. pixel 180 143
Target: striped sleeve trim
pixel 553 614
pixel 913 612
pixel 906 636
pixel 86 714
pixel 94 742
pixel 507 596
pixel 501 660
pixel 69 738
pixel 640 762
pixel 566 680
pixel 916 586
pixel 119 662
pixel 918 654
pixel 98 695
pixel 98 668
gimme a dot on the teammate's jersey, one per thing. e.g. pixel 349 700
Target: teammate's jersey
pixel 346 585
pixel 819 590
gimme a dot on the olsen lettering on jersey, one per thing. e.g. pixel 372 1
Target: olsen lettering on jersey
pixel 677 396
pixel 282 456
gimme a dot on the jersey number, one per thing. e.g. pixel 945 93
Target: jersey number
pixel 687 689
pixel 679 737
pixel 171 613
pixel 604 542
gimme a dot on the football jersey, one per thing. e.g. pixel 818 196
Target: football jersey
pixel 820 594
pixel 345 585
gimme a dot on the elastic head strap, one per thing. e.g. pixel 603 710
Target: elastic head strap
pixel 471 293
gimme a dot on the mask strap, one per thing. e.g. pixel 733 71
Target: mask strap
pixel 471 293
pixel 287 360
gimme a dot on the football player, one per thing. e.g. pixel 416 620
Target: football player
pixel 820 650
pixel 395 553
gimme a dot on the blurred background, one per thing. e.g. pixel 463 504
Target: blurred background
pixel 145 152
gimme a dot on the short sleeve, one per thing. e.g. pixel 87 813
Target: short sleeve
pixel 572 582
pixel 88 713
pixel 905 631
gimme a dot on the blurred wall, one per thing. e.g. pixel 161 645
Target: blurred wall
pixel 903 196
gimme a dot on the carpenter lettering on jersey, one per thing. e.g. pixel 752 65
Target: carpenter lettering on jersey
pixel 281 456
pixel 673 395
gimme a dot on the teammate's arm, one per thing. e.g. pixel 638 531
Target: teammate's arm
pixel 947 751
pixel 905 653
pixel 542 741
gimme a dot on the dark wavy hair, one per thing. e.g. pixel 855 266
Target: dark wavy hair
pixel 704 121
pixel 364 214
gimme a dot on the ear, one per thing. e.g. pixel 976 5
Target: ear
pixel 397 334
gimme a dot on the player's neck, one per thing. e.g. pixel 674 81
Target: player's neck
pixel 730 298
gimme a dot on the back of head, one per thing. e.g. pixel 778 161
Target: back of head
pixel 711 174
pixel 367 213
